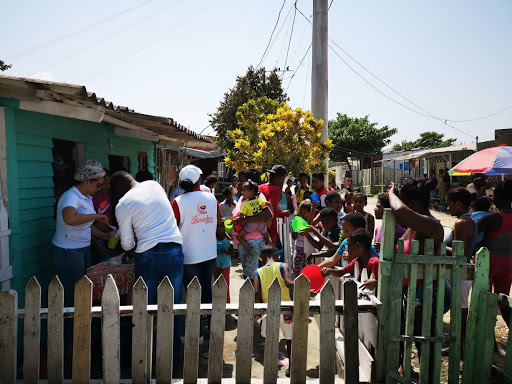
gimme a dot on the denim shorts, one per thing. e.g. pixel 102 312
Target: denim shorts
pixel 250 262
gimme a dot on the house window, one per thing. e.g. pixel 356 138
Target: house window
pixel 143 161
pixel 64 166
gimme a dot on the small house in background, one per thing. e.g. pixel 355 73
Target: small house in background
pixel 46 130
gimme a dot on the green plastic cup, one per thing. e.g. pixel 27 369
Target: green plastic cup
pixel 228 225
pixel 112 242
pixel 299 224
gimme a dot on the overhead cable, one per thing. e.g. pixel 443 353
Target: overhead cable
pixel 271 35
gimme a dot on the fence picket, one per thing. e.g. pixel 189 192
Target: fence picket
pixel 480 284
pixel 8 335
pixel 485 335
pixel 272 333
pixel 383 291
pixel 82 331
pixel 55 331
pixel 110 332
pixel 31 340
pixel 300 330
pixel 139 332
pixel 327 339
pixel 218 325
pixel 165 331
pixel 455 314
pixel 351 338
pixel 192 331
pixel 438 331
pixel 411 306
pixel 244 335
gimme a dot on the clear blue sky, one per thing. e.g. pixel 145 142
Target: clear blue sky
pixel 453 59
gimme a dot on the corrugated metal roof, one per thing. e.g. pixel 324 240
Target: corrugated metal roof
pixel 41 90
pixel 432 152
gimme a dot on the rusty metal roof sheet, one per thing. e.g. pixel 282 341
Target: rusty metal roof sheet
pixel 39 90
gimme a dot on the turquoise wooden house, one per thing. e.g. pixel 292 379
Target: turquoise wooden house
pixel 46 129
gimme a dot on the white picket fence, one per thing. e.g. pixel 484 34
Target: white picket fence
pixel 326 306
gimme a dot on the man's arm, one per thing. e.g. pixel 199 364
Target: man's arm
pixel 125 229
pixel 263 216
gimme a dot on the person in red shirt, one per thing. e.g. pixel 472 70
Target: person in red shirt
pixel 317 182
pixel 272 192
pixel 359 243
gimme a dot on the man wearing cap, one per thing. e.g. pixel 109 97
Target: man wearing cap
pixel 272 192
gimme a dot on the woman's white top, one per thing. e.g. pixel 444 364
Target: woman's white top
pixel 73 236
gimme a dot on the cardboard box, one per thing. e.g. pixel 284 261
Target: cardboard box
pixel 123 274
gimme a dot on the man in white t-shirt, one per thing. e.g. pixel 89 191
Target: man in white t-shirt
pixel 146 221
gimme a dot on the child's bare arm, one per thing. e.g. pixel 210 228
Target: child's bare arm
pixel 331 262
pixel 369 284
pixel 333 271
pixel 266 236
pixel 371 225
pixel 295 235
pixel 287 277
pixel 322 240
pixel 328 253
pixel 241 238
pixel 257 289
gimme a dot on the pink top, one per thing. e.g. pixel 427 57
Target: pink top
pixel 236 211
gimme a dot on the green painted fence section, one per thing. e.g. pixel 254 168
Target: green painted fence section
pixel 428 273
pixel 505 375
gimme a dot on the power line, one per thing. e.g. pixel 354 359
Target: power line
pixel 301 61
pixel 107 37
pixel 291 34
pixel 332 1
pixel 306 84
pixel 151 43
pixel 51 42
pixel 284 39
pixel 209 125
pixel 426 114
pixel 272 34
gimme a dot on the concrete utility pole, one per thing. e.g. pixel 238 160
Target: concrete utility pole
pixel 319 75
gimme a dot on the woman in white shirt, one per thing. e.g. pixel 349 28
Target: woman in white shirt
pixel 75 216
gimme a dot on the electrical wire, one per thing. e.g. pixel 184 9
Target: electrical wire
pixel 209 125
pixel 106 37
pixel 291 35
pixel 332 1
pixel 151 43
pixel 272 34
pixel 306 84
pixel 277 36
pixel 427 113
pixel 284 39
pixel 296 70
pixel 61 38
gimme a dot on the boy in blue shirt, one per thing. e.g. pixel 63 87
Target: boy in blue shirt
pixel 223 261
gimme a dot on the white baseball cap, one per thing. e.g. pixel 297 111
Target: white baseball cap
pixel 190 173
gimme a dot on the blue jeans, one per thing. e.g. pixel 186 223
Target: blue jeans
pixel 250 262
pixel 70 266
pixel 153 265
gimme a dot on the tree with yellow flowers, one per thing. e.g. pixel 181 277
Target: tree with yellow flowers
pixel 269 132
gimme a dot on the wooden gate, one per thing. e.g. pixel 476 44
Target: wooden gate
pixel 433 271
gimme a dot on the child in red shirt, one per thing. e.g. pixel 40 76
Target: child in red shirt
pixel 359 243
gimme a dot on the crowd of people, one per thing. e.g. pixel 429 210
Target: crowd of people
pixel 191 234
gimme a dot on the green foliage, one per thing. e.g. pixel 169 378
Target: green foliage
pixel 269 132
pixel 357 134
pixel 3 66
pixel 427 139
pixel 252 86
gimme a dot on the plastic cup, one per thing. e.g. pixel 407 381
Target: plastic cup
pixel 228 225
pixel 112 242
pixel 315 198
pixel 299 224
pixel 314 274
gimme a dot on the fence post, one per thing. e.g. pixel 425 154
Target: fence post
pixel 55 331
pixel 480 284
pixel 272 333
pixel 139 332
pixel 300 330
pixel 165 331
pixel 455 314
pixel 31 344
pixel 218 325
pixel 384 287
pixel 244 334
pixel 110 332
pixel 327 339
pixel 192 332
pixel 350 320
pixel 8 335
pixel 82 331
pixel 485 335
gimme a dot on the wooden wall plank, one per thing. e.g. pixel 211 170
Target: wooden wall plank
pixel 217 327
pixel 8 335
pixel 34 169
pixel 82 332
pixel 165 331
pixel 244 334
pixel 31 339
pixel 300 330
pixel 55 332
pixel 110 332
pixel 192 331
